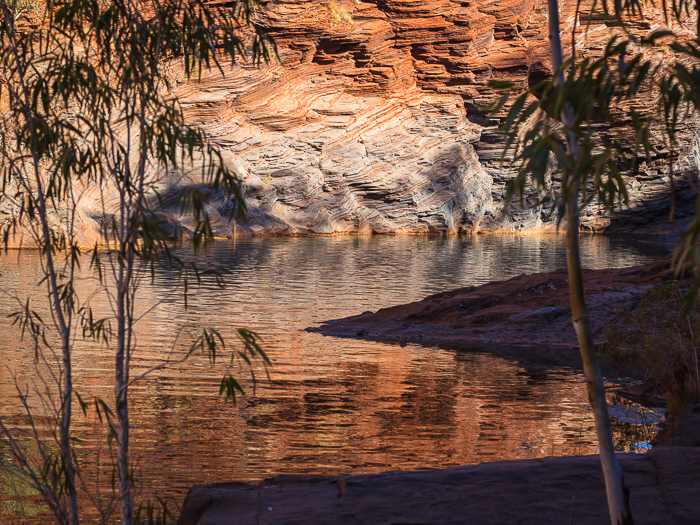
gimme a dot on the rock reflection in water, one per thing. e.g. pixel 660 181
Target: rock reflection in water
pixel 334 405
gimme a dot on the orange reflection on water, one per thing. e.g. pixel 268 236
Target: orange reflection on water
pixel 334 406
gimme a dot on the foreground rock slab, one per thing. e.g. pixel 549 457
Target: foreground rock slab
pixel 525 310
pixel 663 486
pixel 683 432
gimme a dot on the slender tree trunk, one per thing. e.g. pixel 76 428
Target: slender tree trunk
pixel 121 403
pixel 64 324
pixel 64 434
pixel 51 274
pixel 617 506
pixel 619 511
pixel 555 38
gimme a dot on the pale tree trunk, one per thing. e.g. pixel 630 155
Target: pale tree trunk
pixel 121 393
pixel 63 324
pixel 617 504
pixel 67 390
pixel 64 434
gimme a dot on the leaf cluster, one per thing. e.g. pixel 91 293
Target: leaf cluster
pixel 660 334
pixel 598 119
pixel 88 114
pixel 584 108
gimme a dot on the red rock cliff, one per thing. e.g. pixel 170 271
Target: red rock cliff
pixel 372 120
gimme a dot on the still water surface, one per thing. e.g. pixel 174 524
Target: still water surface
pixel 333 406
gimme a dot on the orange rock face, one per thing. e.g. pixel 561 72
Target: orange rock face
pixel 373 119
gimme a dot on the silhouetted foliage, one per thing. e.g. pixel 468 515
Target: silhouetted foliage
pixel 87 105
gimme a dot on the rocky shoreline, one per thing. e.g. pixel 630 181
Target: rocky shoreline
pixel 662 485
pixel 530 310
pixel 524 311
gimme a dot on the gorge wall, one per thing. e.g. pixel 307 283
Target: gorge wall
pixel 373 120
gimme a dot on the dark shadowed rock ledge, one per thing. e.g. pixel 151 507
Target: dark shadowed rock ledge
pixel 663 487
pixel 532 310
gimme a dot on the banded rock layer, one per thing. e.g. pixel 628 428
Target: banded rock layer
pixel 373 122
pixel 316 157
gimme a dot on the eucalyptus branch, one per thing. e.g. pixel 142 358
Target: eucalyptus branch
pixel 90 108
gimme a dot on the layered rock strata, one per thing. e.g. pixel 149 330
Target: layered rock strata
pixel 373 120
pixel 378 124
pixel 316 156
